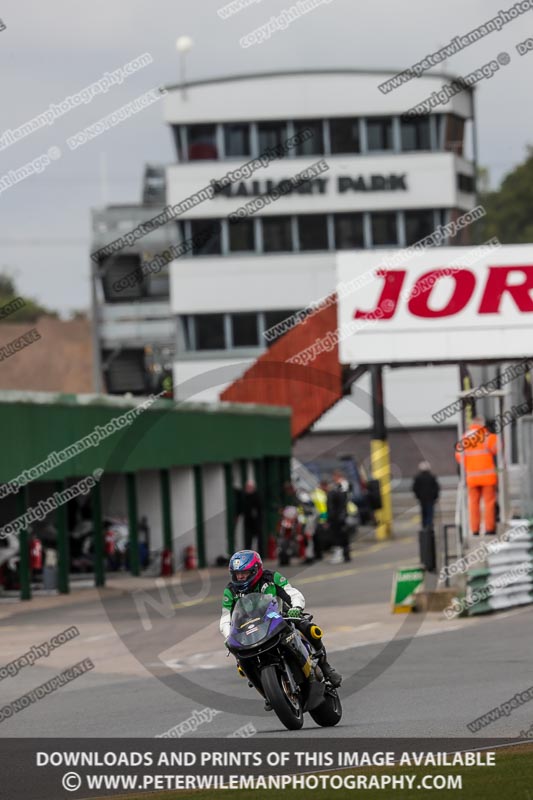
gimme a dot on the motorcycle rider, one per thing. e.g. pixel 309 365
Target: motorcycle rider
pixel 337 513
pixel 247 575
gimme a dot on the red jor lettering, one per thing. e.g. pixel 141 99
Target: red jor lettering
pixel 498 282
pixel 497 286
pixel 390 291
pixel 465 283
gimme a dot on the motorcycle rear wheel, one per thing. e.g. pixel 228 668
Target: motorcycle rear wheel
pixel 328 713
pixel 284 556
pixel 289 712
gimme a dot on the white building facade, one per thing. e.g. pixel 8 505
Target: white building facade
pixel 390 181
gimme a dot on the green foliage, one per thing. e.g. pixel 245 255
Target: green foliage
pixel 7 286
pixel 31 311
pixel 510 208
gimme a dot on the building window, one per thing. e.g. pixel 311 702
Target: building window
pixel 229 331
pixel 189 332
pixel 177 131
pixel 117 267
pixel 209 332
pixel 418 225
pixel 241 236
pixel 277 234
pixel 384 228
pixel 437 121
pixel 349 232
pixel 313 232
pixel 182 235
pixel 443 216
pixel 237 139
pixel 125 371
pixel 244 329
pixel 416 134
pixel 205 234
pixel 466 183
pixel 202 142
pixel 344 135
pixel 159 285
pixel 379 133
pixel 454 133
pixel 154 186
pixel 271 134
pixel 273 318
pixel 185 325
pixel 314 146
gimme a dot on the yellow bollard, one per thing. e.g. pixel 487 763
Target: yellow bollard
pixel 380 466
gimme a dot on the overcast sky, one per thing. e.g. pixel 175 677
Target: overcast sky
pixel 54 49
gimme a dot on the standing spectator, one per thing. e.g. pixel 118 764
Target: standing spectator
pixel 251 507
pixel 289 496
pixel 110 550
pixel 337 513
pixel 144 542
pixel 426 490
pixel 319 496
pixel 478 448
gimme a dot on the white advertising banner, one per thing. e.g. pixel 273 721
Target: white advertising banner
pixel 438 304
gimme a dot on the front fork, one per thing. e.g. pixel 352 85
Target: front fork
pixel 295 689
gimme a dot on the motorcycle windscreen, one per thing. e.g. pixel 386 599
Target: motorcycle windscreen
pixel 254 618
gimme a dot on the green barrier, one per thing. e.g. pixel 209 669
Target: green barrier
pixel 405 583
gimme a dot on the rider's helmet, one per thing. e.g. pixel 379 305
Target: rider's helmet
pixel 245 569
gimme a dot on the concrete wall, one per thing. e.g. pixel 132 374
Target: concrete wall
pixel 214 512
pixel 310 94
pixel 182 511
pixel 114 501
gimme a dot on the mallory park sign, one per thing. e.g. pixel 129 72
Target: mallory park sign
pixel 343 184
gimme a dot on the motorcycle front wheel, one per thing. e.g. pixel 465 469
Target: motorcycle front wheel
pixel 329 712
pixel 288 707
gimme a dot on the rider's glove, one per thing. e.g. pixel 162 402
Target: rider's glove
pixel 294 612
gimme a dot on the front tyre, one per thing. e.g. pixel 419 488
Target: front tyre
pixel 328 713
pixel 288 707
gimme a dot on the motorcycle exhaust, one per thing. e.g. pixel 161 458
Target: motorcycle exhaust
pixel 316 632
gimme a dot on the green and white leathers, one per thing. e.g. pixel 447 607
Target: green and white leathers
pixel 270 583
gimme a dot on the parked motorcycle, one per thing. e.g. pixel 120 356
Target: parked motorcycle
pixel 9 562
pixel 278 660
pixel 289 535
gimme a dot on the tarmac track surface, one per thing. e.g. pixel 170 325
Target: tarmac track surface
pixel 436 675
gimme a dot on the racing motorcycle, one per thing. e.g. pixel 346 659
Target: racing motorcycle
pixel 278 659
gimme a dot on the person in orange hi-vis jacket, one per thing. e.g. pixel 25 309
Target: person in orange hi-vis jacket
pixel 478 447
